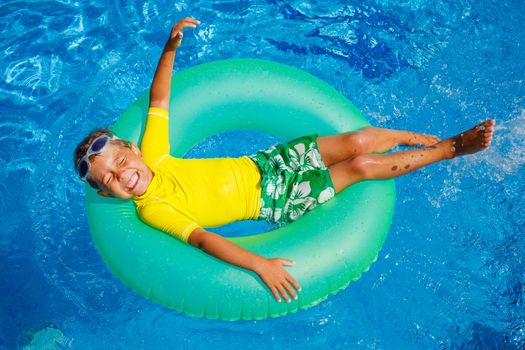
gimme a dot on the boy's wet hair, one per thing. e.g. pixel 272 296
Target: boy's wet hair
pixel 83 146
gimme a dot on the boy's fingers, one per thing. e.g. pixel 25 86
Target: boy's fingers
pixel 184 24
pixel 290 290
pixel 275 294
pixel 293 282
pixel 191 20
pixel 283 293
pixel 287 262
pixel 273 289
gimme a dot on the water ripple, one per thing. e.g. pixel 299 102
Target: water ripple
pixel 149 11
pixel 33 78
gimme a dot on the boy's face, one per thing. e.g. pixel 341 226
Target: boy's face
pixel 120 172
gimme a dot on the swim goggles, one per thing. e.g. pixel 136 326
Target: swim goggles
pixel 96 147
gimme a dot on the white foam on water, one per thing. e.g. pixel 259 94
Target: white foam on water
pixel 48 338
pixel 507 150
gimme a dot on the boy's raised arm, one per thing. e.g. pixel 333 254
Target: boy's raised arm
pixel 161 85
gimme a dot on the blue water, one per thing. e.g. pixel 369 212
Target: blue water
pixel 451 272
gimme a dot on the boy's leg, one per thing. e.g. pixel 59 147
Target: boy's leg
pixel 386 166
pixel 370 139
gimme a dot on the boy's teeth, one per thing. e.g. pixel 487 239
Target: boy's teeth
pixel 132 180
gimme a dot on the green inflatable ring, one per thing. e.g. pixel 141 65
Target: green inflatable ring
pixel 332 245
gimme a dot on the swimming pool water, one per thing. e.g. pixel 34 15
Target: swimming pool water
pixel 451 272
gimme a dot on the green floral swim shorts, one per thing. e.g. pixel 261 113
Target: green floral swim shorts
pixel 294 180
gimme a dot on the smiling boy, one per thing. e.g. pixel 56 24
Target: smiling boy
pixel 182 196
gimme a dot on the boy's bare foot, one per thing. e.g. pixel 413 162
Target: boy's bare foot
pixel 471 141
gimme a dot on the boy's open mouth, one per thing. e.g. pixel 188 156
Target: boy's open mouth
pixel 133 181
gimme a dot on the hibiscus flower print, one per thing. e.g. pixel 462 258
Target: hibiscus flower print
pixel 278 162
pixel 302 159
pixel 299 200
pixel 275 187
pixel 326 194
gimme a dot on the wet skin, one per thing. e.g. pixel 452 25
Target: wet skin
pixel 473 140
pixel 121 172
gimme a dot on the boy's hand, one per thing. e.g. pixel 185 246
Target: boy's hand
pixel 177 32
pixel 277 278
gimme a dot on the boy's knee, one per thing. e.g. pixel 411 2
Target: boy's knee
pixel 357 142
pixel 361 166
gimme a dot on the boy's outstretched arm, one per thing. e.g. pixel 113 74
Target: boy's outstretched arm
pixel 161 85
pixel 270 271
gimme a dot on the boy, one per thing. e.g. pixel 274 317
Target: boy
pixel 181 196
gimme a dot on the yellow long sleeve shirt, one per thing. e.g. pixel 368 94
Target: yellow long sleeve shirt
pixel 186 194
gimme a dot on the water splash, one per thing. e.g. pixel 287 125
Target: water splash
pixel 507 150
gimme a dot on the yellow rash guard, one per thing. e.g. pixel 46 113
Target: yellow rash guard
pixel 186 194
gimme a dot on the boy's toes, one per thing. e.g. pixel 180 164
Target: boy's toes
pixel 489 132
pixel 489 124
pixel 487 139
